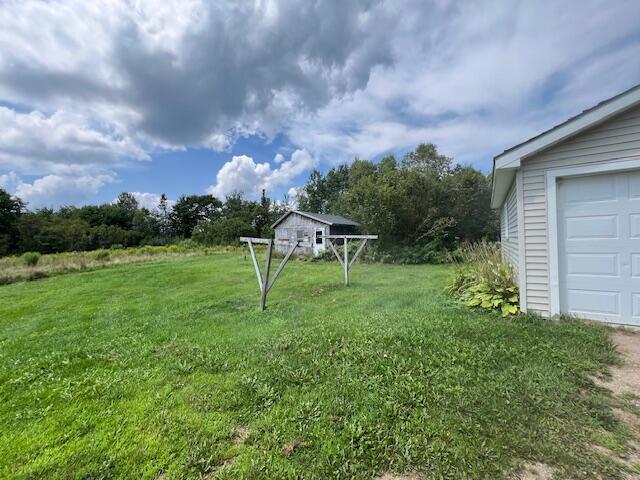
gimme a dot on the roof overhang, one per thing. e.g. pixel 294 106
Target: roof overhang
pixel 505 164
pixel 304 214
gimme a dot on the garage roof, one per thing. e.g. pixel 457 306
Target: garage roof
pixel 505 164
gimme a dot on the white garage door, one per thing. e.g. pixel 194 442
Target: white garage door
pixel 599 246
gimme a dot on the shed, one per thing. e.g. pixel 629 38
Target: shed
pixel 310 227
pixel 569 201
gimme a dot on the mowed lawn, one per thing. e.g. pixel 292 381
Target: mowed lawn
pixel 169 370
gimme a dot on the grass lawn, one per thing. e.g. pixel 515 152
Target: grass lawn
pixel 169 370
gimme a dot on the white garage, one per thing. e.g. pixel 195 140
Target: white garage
pixel 570 214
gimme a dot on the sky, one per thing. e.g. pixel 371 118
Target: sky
pixel 194 96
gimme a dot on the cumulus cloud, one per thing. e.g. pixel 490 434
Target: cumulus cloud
pixel 35 143
pixel 58 190
pixel 9 181
pixel 99 84
pixel 487 75
pixel 190 71
pixel 243 174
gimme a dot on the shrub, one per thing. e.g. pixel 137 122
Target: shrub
pixel 483 279
pixel 31 259
pixel 102 255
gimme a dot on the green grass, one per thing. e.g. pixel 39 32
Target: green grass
pixel 147 370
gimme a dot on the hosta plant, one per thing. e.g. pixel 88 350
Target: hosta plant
pixel 484 280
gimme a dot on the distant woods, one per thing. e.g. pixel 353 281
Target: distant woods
pixel 124 223
pixel 419 201
pixel 422 199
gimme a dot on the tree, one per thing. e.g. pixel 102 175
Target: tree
pixel 427 158
pixel 127 202
pixel 189 210
pixel 11 209
pixel 163 220
pixel 322 194
pixel 262 219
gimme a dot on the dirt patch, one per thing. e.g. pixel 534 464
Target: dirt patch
pixel 292 446
pixel 534 471
pixel 240 435
pixel 625 378
pixel 624 384
pixel 630 458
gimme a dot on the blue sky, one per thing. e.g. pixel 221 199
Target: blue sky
pixel 198 96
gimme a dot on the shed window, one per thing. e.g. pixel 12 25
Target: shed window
pixel 319 238
pixel 300 234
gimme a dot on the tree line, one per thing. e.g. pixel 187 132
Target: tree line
pixel 124 223
pixel 422 202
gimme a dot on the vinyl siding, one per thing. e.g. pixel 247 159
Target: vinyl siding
pixel 509 222
pixel 617 139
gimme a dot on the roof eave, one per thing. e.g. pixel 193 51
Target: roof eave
pixel 511 159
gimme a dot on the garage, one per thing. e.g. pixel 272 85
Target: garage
pixel 569 201
pixel 599 246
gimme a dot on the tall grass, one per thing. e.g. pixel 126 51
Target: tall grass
pixel 484 279
pixel 32 265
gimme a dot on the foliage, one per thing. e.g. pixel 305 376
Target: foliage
pixel 11 209
pixel 101 254
pixel 483 279
pixel 30 259
pixel 124 224
pixel 238 218
pixel 422 207
pixel 169 370
pixel 189 210
pixel 422 200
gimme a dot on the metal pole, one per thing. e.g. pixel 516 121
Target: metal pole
pixel 346 262
pixel 265 283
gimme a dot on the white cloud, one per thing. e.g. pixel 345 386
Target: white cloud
pixel 108 82
pixel 9 181
pixel 481 77
pixel 35 143
pixel 243 174
pixel 58 190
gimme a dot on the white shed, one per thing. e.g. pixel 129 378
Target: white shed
pixel 311 228
pixel 569 203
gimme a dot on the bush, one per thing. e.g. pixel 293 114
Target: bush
pixel 31 259
pixel 483 279
pixel 102 255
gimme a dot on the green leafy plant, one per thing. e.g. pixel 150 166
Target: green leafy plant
pixel 483 279
pixel 31 259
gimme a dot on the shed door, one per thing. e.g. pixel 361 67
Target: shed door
pixel 599 246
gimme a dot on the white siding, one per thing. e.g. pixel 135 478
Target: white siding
pixel 509 227
pixel 615 140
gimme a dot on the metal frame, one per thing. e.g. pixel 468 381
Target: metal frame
pixel 264 284
pixel 344 261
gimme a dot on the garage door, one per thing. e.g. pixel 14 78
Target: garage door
pixel 599 246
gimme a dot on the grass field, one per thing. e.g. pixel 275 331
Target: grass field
pixel 169 370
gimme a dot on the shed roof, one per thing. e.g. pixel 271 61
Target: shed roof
pixel 505 164
pixel 319 217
